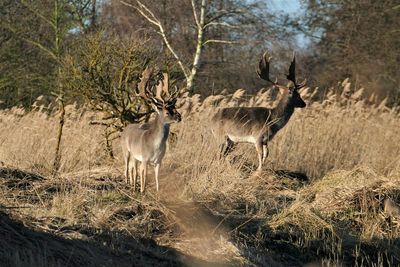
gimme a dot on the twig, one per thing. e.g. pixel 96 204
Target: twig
pixel 219 224
pixel 241 225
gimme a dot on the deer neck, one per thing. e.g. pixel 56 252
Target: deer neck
pixel 160 130
pixel 282 111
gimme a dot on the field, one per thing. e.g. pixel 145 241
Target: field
pixel 318 201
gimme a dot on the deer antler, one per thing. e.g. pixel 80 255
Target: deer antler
pixel 144 81
pixel 163 91
pixel 145 91
pixel 162 94
pixel 292 74
pixel 292 70
pixel 263 67
pixel 174 93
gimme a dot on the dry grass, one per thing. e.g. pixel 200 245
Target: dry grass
pixel 209 211
pixel 28 140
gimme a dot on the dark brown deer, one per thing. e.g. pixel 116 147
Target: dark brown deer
pixel 258 125
pixel 146 142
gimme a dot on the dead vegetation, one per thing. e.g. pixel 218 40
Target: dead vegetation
pixel 320 200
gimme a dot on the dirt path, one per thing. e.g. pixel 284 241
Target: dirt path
pixel 203 234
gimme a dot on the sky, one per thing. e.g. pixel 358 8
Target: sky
pixel 290 7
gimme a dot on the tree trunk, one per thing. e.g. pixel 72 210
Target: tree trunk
pixel 60 98
pixel 57 155
pixel 199 49
pixel 196 63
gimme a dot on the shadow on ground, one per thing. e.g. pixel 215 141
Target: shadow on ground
pixel 18 178
pixel 252 242
pixel 49 241
pixel 26 246
pixel 248 167
pixel 300 176
pixel 210 236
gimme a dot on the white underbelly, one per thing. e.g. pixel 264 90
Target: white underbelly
pixel 243 139
pixel 154 157
pixel 138 157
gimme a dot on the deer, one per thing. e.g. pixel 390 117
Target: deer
pixel 258 125
pixel 146 142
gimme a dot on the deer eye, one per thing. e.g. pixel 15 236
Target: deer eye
pixel 170 111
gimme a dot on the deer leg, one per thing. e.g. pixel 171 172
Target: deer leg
pixel 221 150
pixel 259 148
pixel 230 145
pixel 156 171
pixel 134 171
pixel 265 152
pixel 143 174
pixel 127 156
pixel 226 147
pixel 144 177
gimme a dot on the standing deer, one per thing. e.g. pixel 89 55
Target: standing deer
pixel 146 142
pixel 258 125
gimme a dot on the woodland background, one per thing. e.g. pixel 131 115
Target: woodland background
pixel 339 39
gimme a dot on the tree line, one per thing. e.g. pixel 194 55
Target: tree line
pixel 215 44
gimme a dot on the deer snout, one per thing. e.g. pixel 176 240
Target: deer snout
pixel 302 104
pixel 299 103
pixel 178 117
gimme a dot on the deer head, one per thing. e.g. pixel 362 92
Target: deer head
pixel 163 101
pixel 291 91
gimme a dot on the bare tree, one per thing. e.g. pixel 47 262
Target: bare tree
pixel 58 19
pixel 53 51
pixel 207 15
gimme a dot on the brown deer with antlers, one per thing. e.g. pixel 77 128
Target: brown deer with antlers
pixel 146 142
pixel 258 125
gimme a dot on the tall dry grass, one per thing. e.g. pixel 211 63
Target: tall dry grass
pixel 348 148
pixel 28 140
pixel 336 133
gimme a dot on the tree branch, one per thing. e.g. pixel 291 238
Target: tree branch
pixel 37 13
pixel 223 13
pixel 39 45
pixel 149 16
pixel 219 41
pixel 33 42
pixel 196 19
pixel 223 24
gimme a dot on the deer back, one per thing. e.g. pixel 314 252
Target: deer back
pixel 261 121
